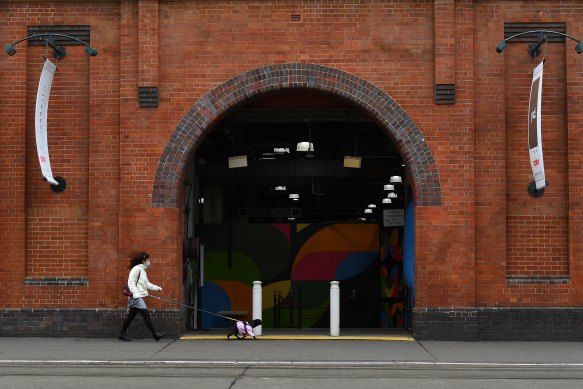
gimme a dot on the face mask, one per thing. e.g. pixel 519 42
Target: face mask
pixel 147 264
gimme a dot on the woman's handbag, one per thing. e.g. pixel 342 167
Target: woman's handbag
pixel 127 291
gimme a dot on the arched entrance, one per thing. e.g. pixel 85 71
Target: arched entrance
pixel 194 126
pixel 225 98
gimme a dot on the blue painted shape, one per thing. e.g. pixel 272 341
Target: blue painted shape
pixel 354 264
pixel 409 247
pixel 214 299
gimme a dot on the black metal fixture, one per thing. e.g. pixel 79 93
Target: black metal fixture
pixel 59 52
pixel 534 48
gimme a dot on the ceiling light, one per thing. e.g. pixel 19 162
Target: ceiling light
pixel 387 201
pixel 305 146
pixel 281 150
pixel 296 199
pixel 392 195
pixel 294 196
pixel 395 179
pixel 280 187
pixel 352 162
pixel 201 200
pixel 368 210
pixel 389 187
pixel 237 161
pixel 372 206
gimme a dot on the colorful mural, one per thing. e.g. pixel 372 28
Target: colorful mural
pixel 295 263
pixel 391 274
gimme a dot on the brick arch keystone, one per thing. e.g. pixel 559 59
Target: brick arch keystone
pixel 207 111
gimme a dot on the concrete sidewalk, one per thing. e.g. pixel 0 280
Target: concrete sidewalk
pixel 310 334
pixel 110 351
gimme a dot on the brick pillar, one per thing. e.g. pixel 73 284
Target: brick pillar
pixel 445 51
pixel 13 145
pixel 148 43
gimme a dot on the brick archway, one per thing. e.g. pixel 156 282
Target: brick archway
pixel 207 111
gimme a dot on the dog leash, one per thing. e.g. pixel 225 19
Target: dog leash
pixel 188 306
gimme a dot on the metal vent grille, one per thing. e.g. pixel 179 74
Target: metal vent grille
pixel 82 33
pixel 516 28
pixel 296 18
pixel 148 96
pixel 444 93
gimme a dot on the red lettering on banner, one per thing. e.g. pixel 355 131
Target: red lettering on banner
pixel 535 162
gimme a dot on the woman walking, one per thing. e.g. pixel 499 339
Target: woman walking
pixel 138 284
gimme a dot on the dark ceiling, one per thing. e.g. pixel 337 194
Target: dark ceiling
pixel 329 192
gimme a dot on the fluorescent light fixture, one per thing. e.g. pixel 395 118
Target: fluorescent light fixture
pixel 294 196
pixel 395 179
pixel 389 187
pixel 352 162
pixel 201 200
pixel 372 206
pixel 362 218
pixel 387 201
pixel 291 218
pixel 237 161
pixel 392 195
pixel 281 150
pixel 296 199
pixel 368 210
pixel 280 188
pixel 305 146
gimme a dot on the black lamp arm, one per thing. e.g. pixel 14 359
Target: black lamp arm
pixel 544 31
pixel 58 51
pixel 48 35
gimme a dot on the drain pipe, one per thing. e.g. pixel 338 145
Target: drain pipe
pixel 334 308
pixel 257 305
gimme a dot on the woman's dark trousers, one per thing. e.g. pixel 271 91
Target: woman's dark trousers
pixel 147 319
pixel 132 314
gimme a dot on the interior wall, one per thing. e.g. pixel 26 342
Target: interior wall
pixel 296 263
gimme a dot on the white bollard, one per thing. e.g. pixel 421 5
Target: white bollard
pixel 334 308
pixel 257 305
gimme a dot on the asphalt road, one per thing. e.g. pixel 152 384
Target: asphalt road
pixel 108 363
pixel 259 377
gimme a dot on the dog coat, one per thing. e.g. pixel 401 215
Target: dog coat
pixel 244 329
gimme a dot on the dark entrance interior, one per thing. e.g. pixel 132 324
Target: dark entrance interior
pixel 251 170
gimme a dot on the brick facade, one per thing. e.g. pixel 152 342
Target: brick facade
pixel 124 164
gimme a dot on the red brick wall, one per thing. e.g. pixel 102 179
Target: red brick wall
pixel 536 228
pixel 510 271
pixel 466 249
pixel 56 225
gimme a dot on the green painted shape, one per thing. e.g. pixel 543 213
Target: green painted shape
pixel 314 293
pixel 267 245
pixel 243 268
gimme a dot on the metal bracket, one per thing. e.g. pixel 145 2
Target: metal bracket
pixel 59 52
pixel 533 49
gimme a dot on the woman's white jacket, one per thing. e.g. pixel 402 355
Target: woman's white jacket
pixel 138 282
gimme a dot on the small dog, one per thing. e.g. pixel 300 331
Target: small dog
pixel 242 329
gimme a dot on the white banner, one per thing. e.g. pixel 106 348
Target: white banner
pixel 40 120
pixel 534 127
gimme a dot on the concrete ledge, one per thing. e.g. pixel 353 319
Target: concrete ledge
pixel 83 322
pixel 498 323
